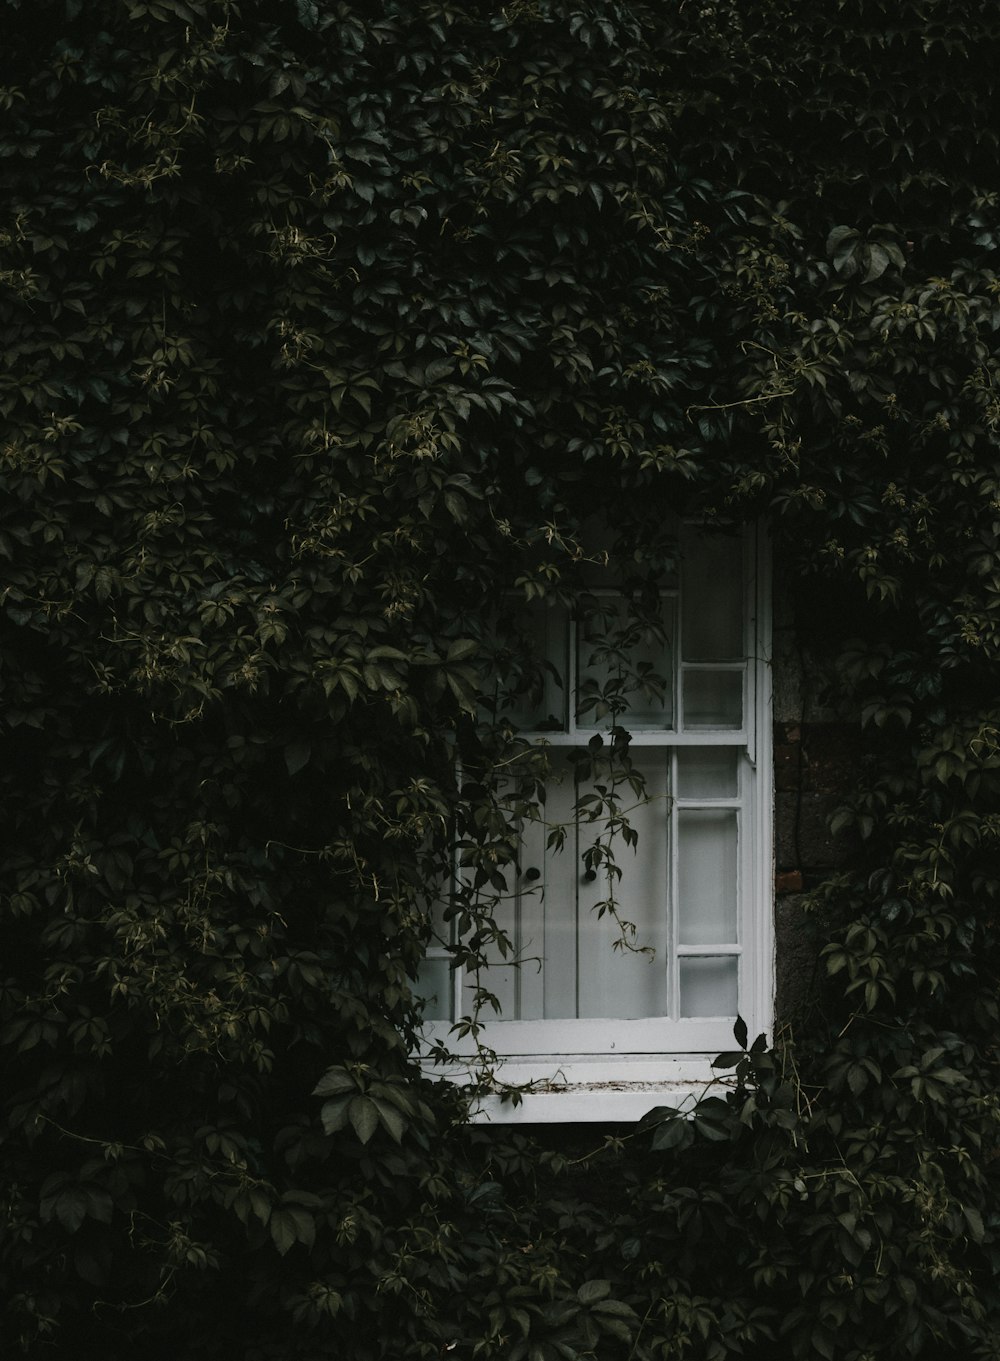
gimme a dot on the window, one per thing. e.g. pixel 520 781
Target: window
pixel 638 910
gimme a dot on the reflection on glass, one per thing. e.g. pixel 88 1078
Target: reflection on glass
pixel 707 773
pixel 434 983
pixel 712 598
pixel 713 699
pixel 706 876
pixel 709 987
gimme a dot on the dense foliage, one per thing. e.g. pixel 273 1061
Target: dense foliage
pixel 323 325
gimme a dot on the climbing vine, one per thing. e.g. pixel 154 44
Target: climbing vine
pixel 328 331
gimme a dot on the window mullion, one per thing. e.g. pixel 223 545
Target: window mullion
pixel 673 932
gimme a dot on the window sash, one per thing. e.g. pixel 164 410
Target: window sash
pixel 749 952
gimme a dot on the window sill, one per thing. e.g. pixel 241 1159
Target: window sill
pixel 588 1089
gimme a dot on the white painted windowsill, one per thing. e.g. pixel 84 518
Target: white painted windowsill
pixel 590 1088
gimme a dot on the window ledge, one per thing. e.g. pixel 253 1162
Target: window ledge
pixel 588 1088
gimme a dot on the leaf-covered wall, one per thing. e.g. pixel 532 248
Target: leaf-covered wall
pixel 323 325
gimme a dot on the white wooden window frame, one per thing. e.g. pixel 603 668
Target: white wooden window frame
pixel 597 1070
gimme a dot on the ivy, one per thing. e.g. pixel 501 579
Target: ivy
pixel 329 330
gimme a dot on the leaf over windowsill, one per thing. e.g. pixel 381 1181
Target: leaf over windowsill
pixel 729 1059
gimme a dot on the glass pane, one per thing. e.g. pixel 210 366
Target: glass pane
pixel 440 886
pixel 533 975
pixel 624 982
pixel 709 987
pixel 712 598
pixel 533 666
pixel 499 943
pixel 554 990
pixel 434 984
pixel 530 884
pixel 706 876
pixel 713 699
pixel 624 666
pixel 708 773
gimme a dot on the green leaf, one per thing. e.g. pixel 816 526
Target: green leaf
pixel 878 262
pixel 363 1114
pixel 70 1207
pixel 391 1118
pixel 461 648
pixel 591 1291
pixel 438 368
pixel 677 1133
pixel 838 236
pixel 290 1224
pixel 974 1219
pixel 72 1202
pixel 729 1059
pixel 615 1308
pixel 335 1081
pixel 297 756
pixel 334 1114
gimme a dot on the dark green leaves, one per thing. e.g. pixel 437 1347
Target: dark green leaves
pixel 324 327
pixel 293 1221
pixel 72 1202
pixel 365 1104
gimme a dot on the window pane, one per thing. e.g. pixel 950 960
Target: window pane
pixel 500 977
pixel 533 667
pixel 553 910
pixel 713 699
pixel 434 984
pixel 532 885
pixel 709 987
pixel 706 876
pixel 440 887
pixel 712 598
pixel 707 773
pixel 623 983
pixel 625 666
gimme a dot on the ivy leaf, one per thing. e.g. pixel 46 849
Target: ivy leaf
pixel 461 648
pixel 878 263
pixel 297 756
pixel 592 1291
pixel 676 1133
pixel 363 1114
pixel 72 1202
pixel 334 1114
pixel 291 1224
pixel 438 368
pixel 729 1059
pixel 308 12
pixel 333 1082
pixel 837 237
pixel 69 1207
pixel 391 1118
pixel 974 1220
